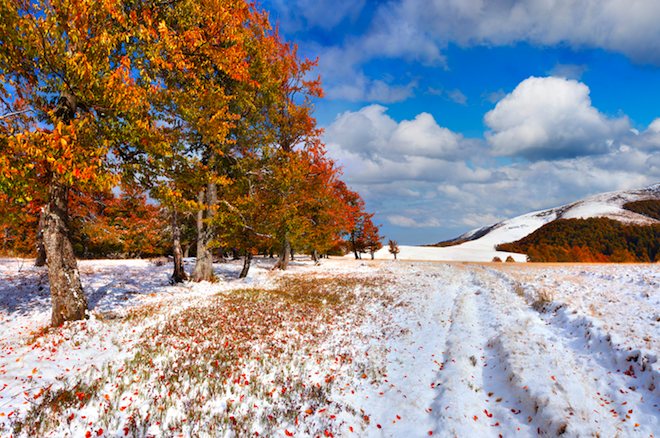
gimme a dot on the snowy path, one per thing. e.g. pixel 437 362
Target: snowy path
pixel 496 365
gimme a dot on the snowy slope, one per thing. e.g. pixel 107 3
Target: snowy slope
pixel 609 205
pixel 479 244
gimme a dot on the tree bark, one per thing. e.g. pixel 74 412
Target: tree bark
pixel 41 248
pixel 285 253
pixel 179 275
pixel 204 264
pixel 67 296
pixel 246 264
pixel 357 257
pixel 315 256
pixel 372 254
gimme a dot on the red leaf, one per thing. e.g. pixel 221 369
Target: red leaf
pixel 287 433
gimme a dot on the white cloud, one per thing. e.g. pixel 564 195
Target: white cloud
pixel 371 133
pixel 324 14
pixel 568 71
pixel 624 26
pixel 548 118
pixel 409 222
pixel 363 89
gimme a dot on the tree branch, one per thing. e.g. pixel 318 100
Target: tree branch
pixel 15 113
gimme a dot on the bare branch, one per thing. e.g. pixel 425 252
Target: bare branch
pixel 15 113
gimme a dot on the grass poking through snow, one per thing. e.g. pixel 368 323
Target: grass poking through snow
pixel 247 361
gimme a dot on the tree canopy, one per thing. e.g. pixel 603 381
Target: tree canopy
pixel 197 109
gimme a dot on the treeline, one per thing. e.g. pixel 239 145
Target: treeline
pixel 201 104
pixel 102 225
pixel 589 240
pixel 648 207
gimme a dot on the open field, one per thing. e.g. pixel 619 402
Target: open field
pixel 347 348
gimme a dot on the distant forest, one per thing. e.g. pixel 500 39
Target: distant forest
pixel 593 240
pixel 649 207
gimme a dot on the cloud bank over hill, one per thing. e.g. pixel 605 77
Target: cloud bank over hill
pixel 546 143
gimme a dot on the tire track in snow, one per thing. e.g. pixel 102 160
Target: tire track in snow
pixel 561 383
pixel 462 407
pixel 398 405
pixel 622 378
pixel 509 404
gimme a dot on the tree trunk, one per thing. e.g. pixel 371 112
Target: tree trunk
pixel 67 296
pixel 41 248
pixel 246 264
pixel 285 253
pixel 372 254
pixel 357 257
pixel 315 256
pixel 179 274
pixel 204 264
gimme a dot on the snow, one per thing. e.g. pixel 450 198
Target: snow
pixel 464 252
pixel 401 349
pixel 609 205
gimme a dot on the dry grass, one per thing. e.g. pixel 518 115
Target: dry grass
pixel 543 298
pixel 242 358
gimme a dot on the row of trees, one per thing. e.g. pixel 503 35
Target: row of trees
pixel 199 102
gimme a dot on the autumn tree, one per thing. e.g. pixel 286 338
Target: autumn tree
pixel 72 112
pixel 289 115
pixel 371 236
pixel 204 64
pixel 393 248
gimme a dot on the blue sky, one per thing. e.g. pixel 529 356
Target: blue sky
pixel 448 115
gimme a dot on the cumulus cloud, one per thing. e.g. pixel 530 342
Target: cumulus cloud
pixel 618 25
pixel 549 118
pixel 371 133
pixel 438 198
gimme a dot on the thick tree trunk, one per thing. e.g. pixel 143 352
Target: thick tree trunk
pixel 41 248
pixel 315 256
pixel 204 264
pixel 68 300
pixel 285 253
pixel 246 264
pixel 179 274
pixel 372 254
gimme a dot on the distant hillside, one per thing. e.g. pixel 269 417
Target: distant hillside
pixel 590 240
pixel 649 208
pixel 636 208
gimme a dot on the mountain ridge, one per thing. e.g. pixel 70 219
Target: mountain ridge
pixel 603 205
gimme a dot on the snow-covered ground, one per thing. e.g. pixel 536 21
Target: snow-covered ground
pixel 347 348
pixel 467 252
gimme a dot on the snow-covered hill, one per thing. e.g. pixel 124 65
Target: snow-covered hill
pixel 479 244
pixel 609 205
